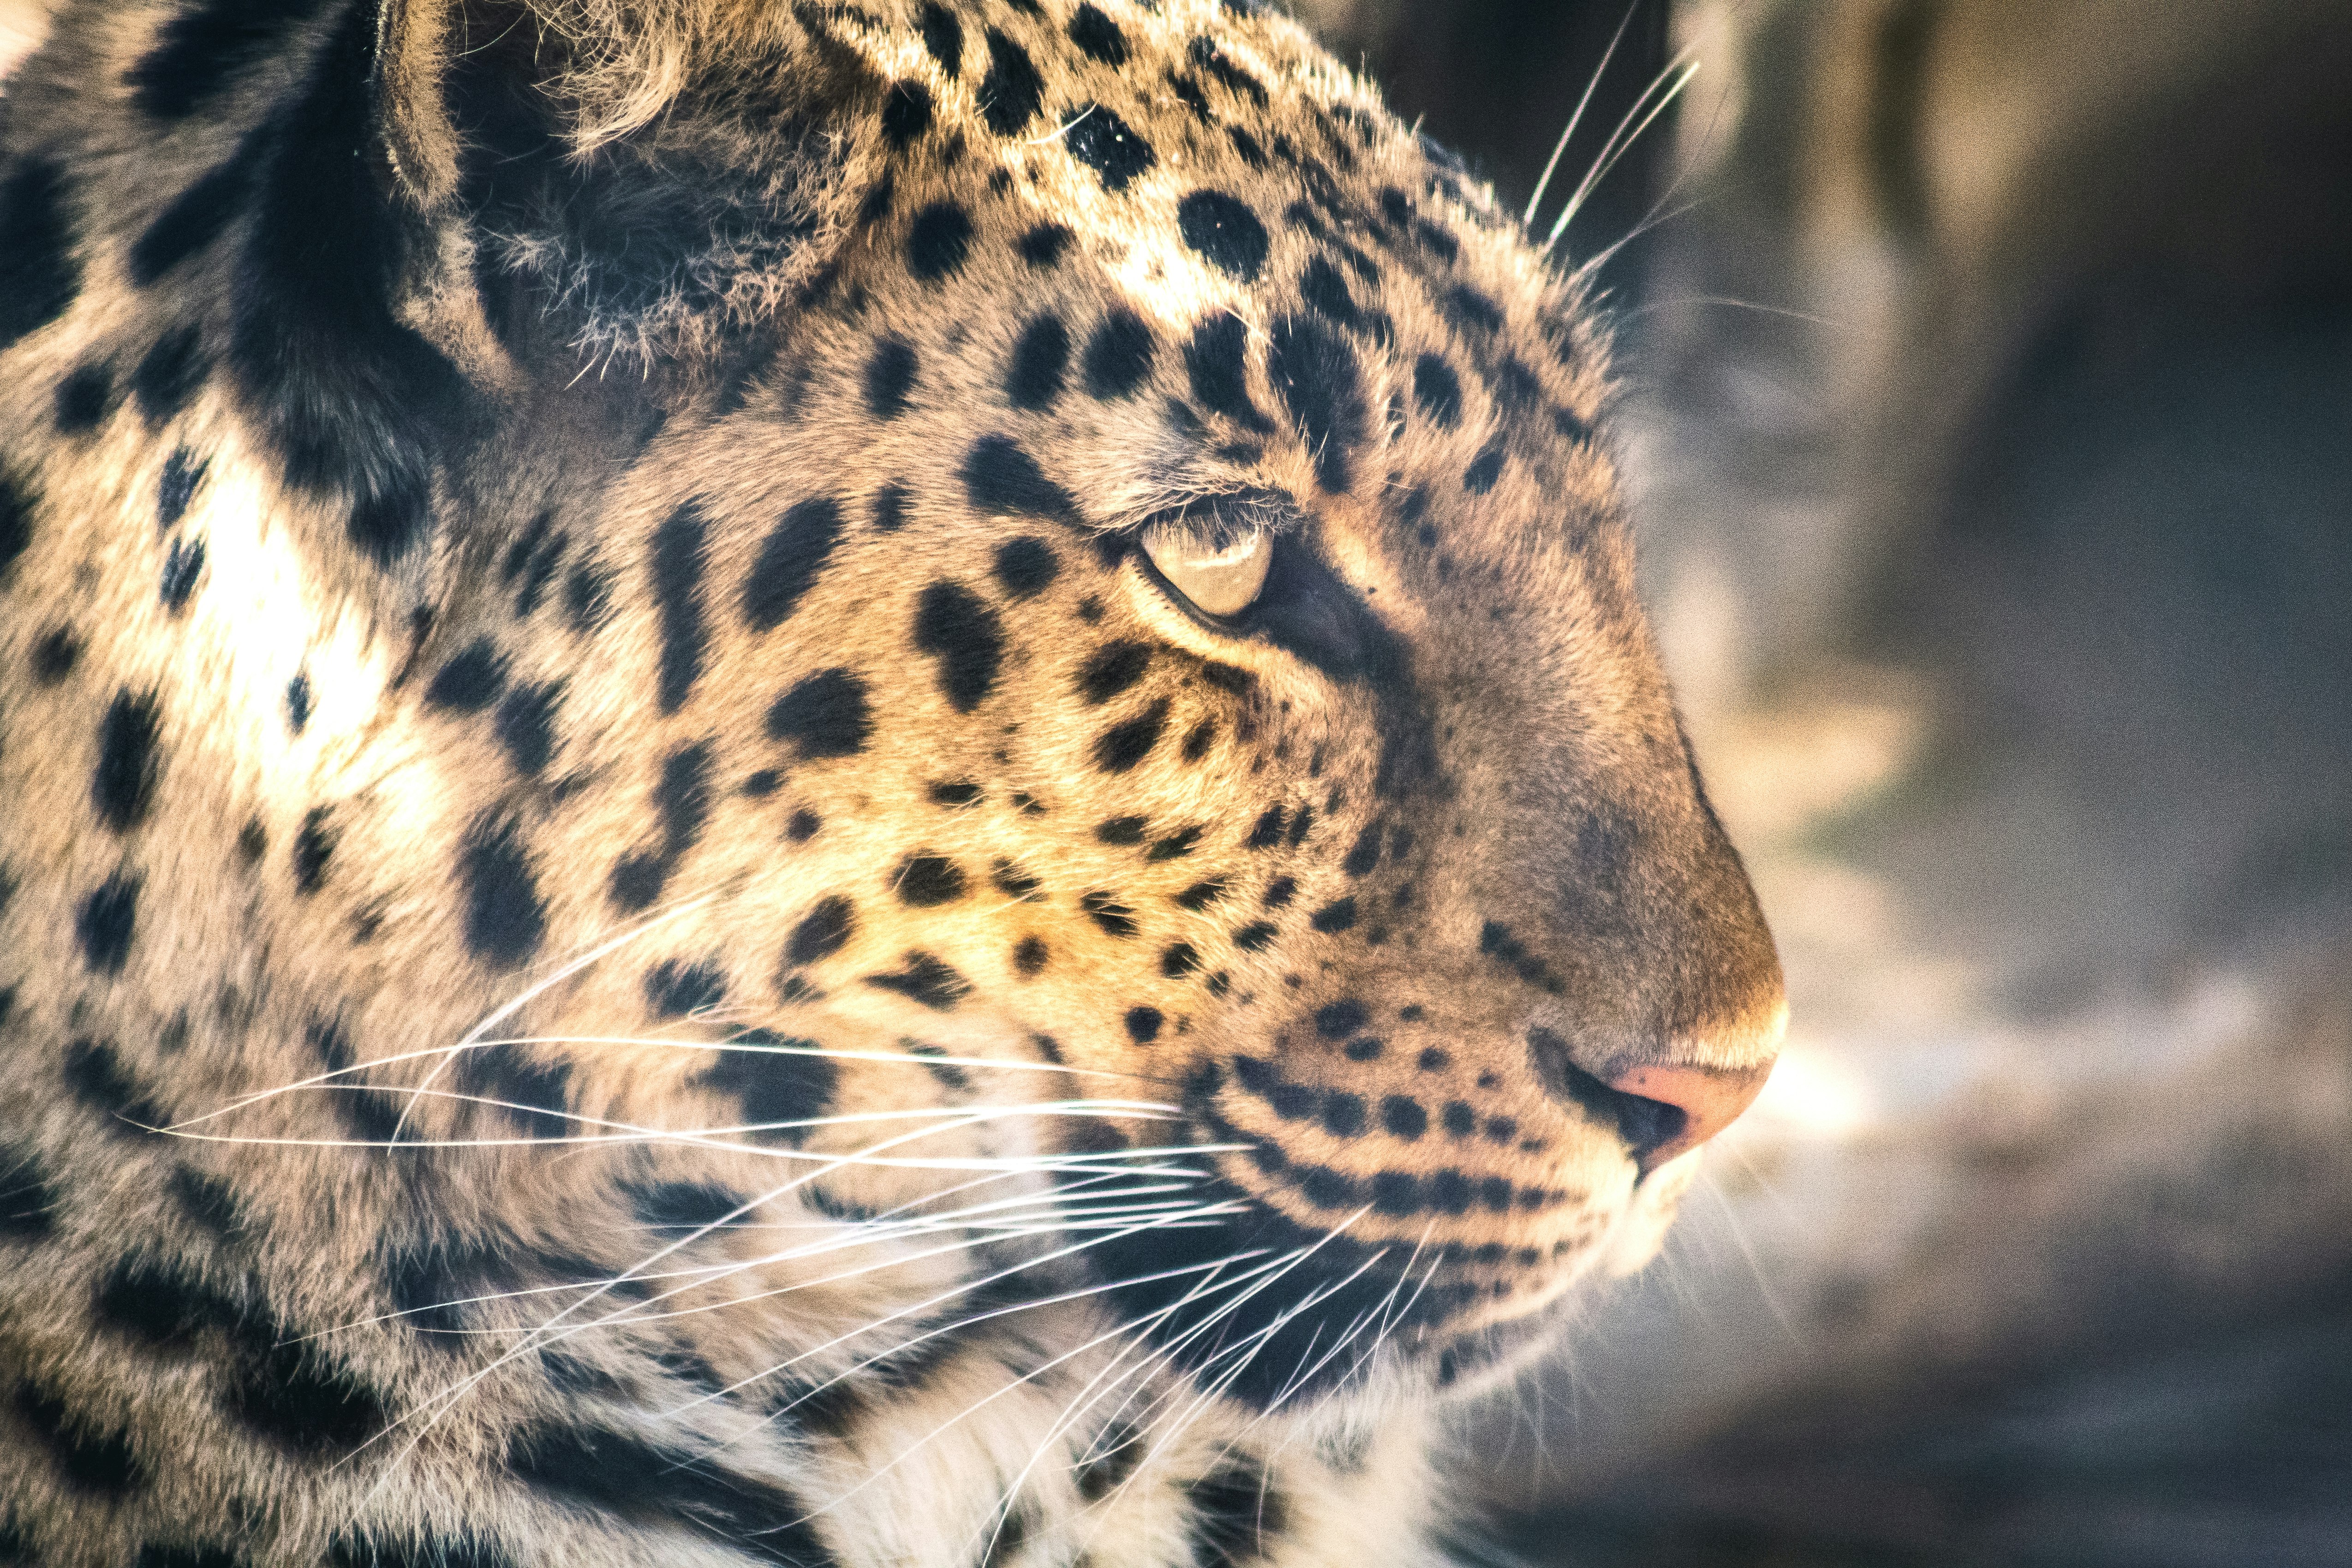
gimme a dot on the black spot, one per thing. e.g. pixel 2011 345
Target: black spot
pixel 1098 36
pixel 635 1482
pixel 298 703
pixel 1396 1193
pixel 1403 1117
pixel 38 275
pixel 1299 826
pixel 84 399
pixel 822 932
pixel 1267 832
pixel 1202 895
pixel 1365 853
pixel 54 654
pixel 1122 829
pixel 130 761
pixel 1364 1048
pixel 197 217
pixel 1000 476
pixel 184 563
pixel 505 920
pixel 1044 245
pixel 94 1072
pixel 1176 845
pixel 1438 390
pixel 1484 469
pixel 955 794
pixel 677 561
pixel 1113 669
pixel 1013 881
pixel 825 715
pixel 314 846
pixel 891 509
pixel 26 1196
pixel 198 51
pixel 1317 375
pixel 1010 93
pixel 1237 81
pixel 1234 1514
pixel 463 1550
pixel 906 112
pixel 1343 1115
pixel 169 374
pixel 526 726
pixel 1122 746
pixel 1105 911
pixel 1217 361
pixel 889 377
pixel 964 635
pixel 938 240
pixel 683 798
pixel 1325 290
pixel 1120 354
pixel 356 400
pixel 1197 743
pixel 536 1093
pixel 681 1205
pixel 804 826
pixel 251 840
pixel 1041 357
pixel 925 881
pixel 1025 566
pixel 788 1081
pixel 674 989
pixel 1461 1120
pixel 470 682
pixel 1280 892
pixel 1143 1024
pixel 96 1461
pixel 185 1554
pixel 1109 145
pixel 943 37
pixel 588 597
pixel 1225 233
pixel 1180 961
pixel 1029 956
pixel 1466 307
pixel 162 1306
pixel 924 978
pixel 1255 935
pixel 1252 152
pixel 1335 1021
pixel 789 558
pixel 1337 916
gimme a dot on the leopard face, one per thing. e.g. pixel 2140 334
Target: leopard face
pixel 998 636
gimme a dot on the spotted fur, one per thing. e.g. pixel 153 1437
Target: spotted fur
pixel 633 929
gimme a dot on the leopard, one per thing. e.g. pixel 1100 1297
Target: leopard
pixel 813 783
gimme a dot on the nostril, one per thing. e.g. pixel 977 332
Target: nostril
pixel 1647 1125
pixel 1659 1111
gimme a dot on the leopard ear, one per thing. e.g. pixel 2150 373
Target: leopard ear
pixel 638 180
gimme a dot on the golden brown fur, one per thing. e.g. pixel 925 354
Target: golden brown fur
pixel 628 629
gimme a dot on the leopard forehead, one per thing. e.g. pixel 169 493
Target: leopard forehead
pixel 590 559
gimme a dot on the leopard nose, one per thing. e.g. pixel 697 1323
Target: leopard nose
pixel 1682 1107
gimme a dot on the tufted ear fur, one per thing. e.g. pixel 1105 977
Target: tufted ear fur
pixel 630 181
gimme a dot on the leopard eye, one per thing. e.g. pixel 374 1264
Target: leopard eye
pixel 1218 574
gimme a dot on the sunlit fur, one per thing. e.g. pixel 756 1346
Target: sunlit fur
pixel 631 927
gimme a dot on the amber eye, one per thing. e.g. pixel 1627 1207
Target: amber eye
pixel 1220 572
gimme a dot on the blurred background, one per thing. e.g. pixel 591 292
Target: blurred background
pixel 1988 409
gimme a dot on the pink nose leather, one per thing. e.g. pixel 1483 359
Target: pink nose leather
pixel 1710 1099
